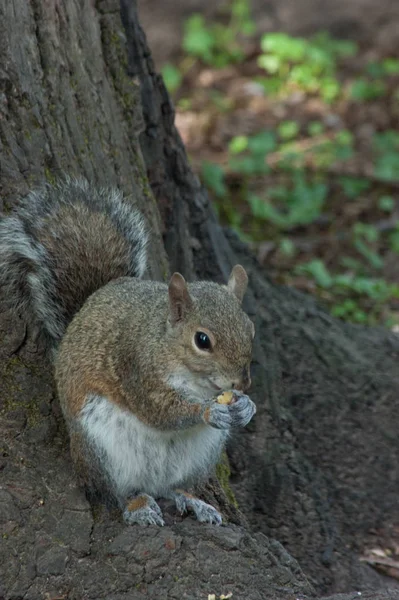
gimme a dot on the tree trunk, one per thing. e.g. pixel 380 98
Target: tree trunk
pixel 316 470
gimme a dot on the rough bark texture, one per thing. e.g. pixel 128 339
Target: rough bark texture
pixel 318 466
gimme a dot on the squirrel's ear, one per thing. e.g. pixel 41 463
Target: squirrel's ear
pixel 179 299
pixel 238 282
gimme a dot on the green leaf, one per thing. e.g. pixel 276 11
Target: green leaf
pixel 329 88
pixel 386 146
pixel 260 208
pixel 287 247
pixel 344 137
pixel 262 143
pixel 387 168
pixel 269 62
pixel 352 263
pixel 171 76
pixel 317 269
pixel 248 28
pixel 271 85
pixel 306 76
pixel 375 69
pixel 249 165
pixel 240 9
pixel 360 316
pixel 369 232
pixel 386 203
pixel 198 39
pixel 284 46
pixel 362 89
pixel 288 129
pixel 214 177
pixel 238 144
pixel 315 128
pixel 354 186
pixel 391 66
pixel 372 257
pixel 394 241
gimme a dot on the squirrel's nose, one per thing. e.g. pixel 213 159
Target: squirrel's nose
pixel 243 383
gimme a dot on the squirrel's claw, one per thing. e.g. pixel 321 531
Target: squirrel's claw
pixel 218 416
pixel 242 410
pixel 235 414
pixel 204 512
pixel 143 510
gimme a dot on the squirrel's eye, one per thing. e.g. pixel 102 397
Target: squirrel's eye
pixel 202 341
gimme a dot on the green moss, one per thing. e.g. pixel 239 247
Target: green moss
pixel 49 176
pixel 8 374
pixel 12 391
pixel 223 474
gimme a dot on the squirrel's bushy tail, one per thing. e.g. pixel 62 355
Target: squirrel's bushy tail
pixel 62 244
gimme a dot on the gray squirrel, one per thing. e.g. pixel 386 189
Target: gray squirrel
pixel 139 365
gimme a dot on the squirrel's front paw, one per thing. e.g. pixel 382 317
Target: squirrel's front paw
pixel 241 410
pixel 143 510
pixel 204 512
pixel 237 413
pixel 217 416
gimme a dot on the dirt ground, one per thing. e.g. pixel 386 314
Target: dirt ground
pixel 369 22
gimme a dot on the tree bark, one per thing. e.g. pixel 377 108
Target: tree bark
pixel 316 470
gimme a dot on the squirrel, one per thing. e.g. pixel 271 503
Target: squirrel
pixel 139 364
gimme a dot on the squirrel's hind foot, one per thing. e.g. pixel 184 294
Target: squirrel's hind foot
pixel 204 512
pixel 143 510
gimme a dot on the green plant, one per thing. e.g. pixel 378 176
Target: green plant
pixel 305 64
pixel 318 271
pixel 172 77
pixel 386 148
pixel 213 43
pixel 354 186
pixel 385 68
pixel 393 239
pixel 364 236
pixel 386 203
pixel 216 44
pixel 300 159
pixel 247 155
pixel 351 297
pixel 288 130
pixel 290 206
pixel 213 176
pixel 287 247
pixel 363 89
pixel 338 148
pixel 323 154
pixel 315 128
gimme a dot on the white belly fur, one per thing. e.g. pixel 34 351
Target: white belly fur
pixel 142 459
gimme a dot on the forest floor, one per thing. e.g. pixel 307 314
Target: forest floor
pixel 297 140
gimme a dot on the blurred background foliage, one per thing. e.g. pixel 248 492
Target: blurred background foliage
pixel 297 141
